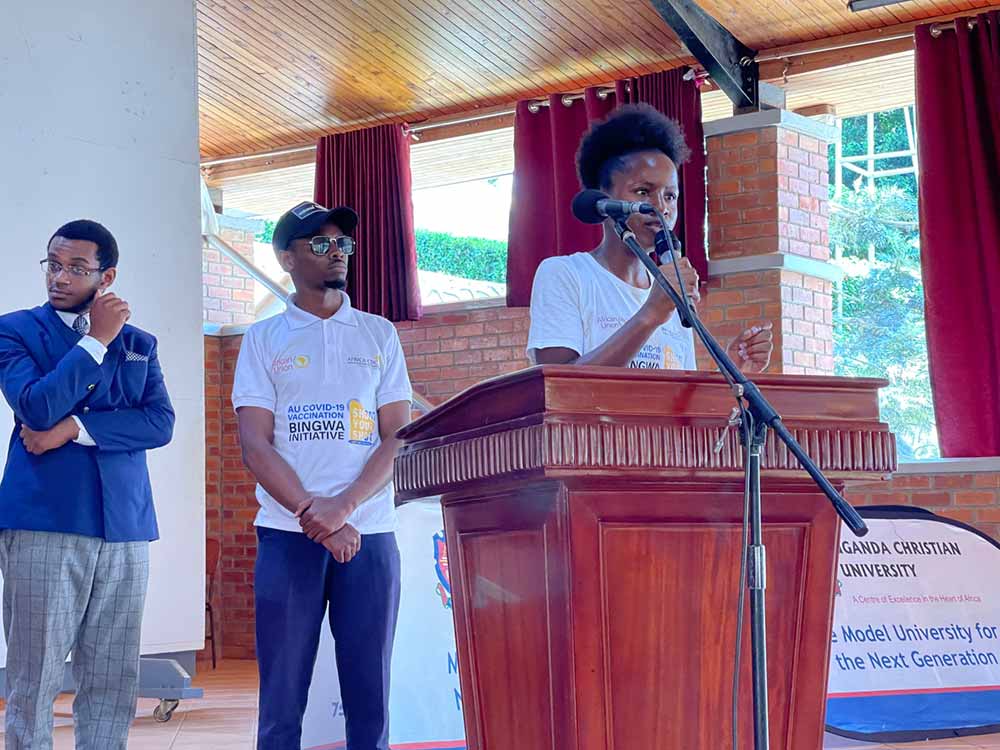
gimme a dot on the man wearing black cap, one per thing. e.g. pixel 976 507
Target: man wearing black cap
pixel 320 392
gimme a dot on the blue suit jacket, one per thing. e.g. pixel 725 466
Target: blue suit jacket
pixel 101 491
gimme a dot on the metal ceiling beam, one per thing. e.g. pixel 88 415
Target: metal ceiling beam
pixel 728 61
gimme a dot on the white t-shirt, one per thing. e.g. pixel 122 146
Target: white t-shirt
pixel 324 381
pixel 578 304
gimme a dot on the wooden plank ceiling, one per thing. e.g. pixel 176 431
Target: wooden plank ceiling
pixel 854 89
pixel 269 193
pixel 280 73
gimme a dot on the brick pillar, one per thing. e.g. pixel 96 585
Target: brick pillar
pixel 769 251
pixel 230 504
pixel 228 291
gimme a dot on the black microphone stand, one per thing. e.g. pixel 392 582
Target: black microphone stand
pixel 762 417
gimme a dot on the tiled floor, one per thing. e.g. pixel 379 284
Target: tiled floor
pixel 226 719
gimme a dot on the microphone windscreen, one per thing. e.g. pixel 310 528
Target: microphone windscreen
pixel 585 206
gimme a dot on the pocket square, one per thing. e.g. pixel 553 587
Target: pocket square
pixel 135 357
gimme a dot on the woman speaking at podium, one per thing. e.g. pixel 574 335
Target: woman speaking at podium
pixel 601 307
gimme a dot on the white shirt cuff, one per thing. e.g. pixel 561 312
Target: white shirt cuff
pixel 94 348
pixel 84 437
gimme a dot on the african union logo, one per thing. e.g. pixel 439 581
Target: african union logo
pixel 441 568
pixel 301 361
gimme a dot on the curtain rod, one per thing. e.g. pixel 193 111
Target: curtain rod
pixel 413 129
pixel 698 72
pixel 938 28
pixel 460 120
pixel 252 157
pixel 568 99
pixel 770 57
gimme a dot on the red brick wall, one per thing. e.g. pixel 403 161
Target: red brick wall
pixel 803 193
pixel 213 435
pixel 227 290
pixel 971 498
pixel 230 504
pixel 213 463
pixel 768 193
pixel 446 353
pixel 800 307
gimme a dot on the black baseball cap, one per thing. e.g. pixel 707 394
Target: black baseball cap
pixel 306 219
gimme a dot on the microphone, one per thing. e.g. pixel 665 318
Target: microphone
pixel 593 207
pixel 666 244
pixel 668 249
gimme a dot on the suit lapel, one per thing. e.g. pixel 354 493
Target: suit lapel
pixel 109 389
pixel 58 337
pixel 62 338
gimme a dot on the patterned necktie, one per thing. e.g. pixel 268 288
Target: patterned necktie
pixel 81 325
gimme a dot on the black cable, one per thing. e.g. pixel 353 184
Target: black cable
pixel 746 431
pixel 684 296
pixel 673 259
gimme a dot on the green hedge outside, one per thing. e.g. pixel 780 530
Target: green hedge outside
pixel 467 257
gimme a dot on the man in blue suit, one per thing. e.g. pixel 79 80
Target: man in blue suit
pixel 76 509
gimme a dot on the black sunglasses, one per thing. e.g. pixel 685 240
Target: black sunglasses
pixel 321 245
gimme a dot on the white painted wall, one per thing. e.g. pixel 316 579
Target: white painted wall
pixel 99 119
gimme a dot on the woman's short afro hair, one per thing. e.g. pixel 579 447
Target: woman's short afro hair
pixel 627 130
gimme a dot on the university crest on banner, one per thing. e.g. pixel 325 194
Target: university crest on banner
pixel 443 587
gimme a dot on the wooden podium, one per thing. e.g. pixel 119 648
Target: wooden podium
pixel 594 540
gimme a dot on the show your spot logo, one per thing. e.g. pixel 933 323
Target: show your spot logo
pixel 362 430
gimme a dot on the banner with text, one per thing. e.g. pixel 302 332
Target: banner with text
pixel 916 637
pixel 425 705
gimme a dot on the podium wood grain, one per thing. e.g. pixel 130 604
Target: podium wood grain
pixel 594 540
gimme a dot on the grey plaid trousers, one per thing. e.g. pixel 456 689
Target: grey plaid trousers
pixel 62 593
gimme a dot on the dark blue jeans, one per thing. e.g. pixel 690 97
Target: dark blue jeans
pixel 294 581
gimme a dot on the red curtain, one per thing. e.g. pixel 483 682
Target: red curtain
pixel 545 180
pixel 673 96
pixel 369 170
pixel 958 129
